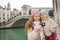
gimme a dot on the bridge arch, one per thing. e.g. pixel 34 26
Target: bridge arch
pixel 19 23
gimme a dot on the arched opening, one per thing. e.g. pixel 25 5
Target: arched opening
pixel 51 13
pixel 20 23
pixel 30 12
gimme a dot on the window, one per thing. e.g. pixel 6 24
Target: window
pixel 3 18
pixel 0 24
pixel 0 18
pixel 3 14
pixel 30 12
pixel 51 13
pixel 20 13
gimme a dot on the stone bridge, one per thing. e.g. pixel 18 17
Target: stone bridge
pixel 11 22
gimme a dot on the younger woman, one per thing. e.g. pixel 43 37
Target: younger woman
pixel 33 26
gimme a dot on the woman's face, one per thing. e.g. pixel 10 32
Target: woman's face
pixel 37 17
pixel 44 17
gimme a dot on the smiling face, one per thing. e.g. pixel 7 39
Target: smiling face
pixel 44 17
pixel 37 17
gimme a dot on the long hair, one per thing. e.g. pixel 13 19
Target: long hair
pixel 29 24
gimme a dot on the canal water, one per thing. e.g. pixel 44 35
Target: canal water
pixel 13 34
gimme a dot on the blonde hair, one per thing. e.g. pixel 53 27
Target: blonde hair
pixel 29 24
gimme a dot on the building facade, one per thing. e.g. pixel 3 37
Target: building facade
pixel 6 14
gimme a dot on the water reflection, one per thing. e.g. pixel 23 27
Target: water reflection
pixel 12 34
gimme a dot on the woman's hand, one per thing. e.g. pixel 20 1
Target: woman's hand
pixel 37 27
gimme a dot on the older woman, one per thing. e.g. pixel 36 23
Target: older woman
pixel 50 27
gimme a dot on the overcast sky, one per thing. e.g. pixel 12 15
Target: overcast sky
pixel 34 3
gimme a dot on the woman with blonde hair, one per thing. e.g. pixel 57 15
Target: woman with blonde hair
pixel 33 28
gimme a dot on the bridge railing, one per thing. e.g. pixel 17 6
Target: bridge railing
pixel 14 19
